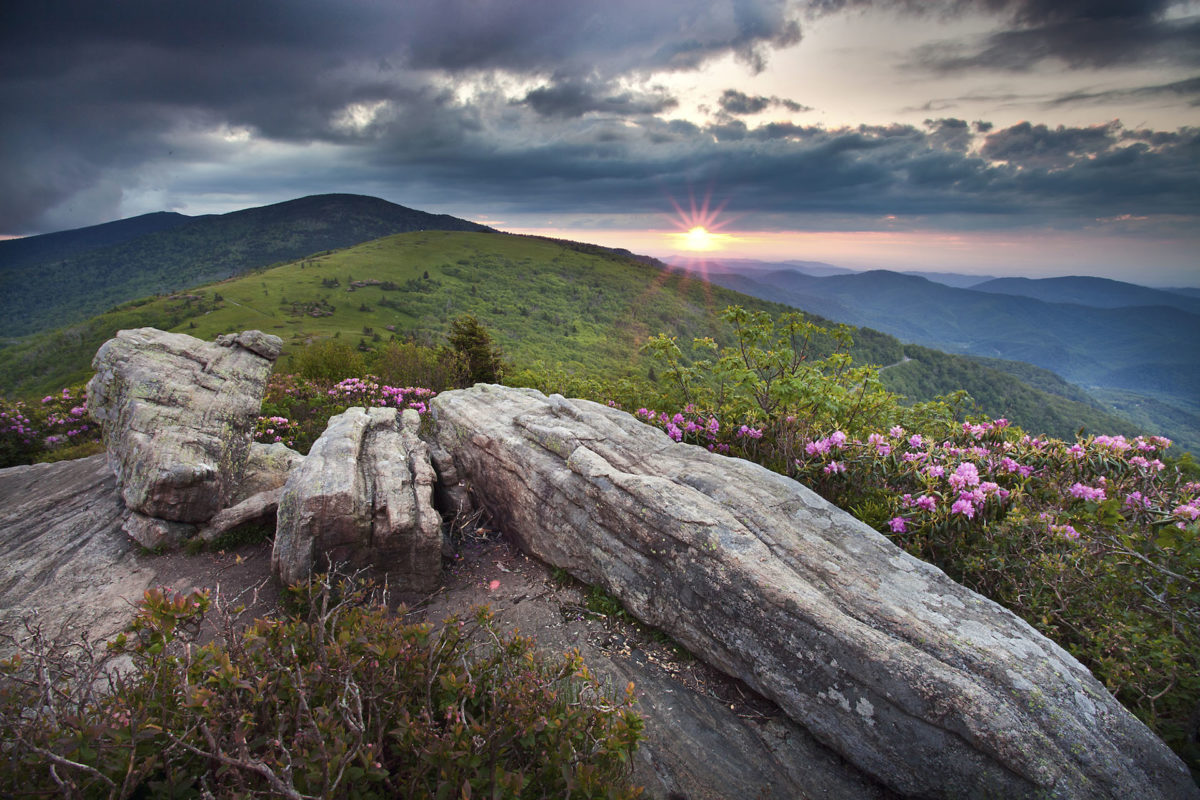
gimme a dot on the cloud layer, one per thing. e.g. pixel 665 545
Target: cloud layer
pixel 545 106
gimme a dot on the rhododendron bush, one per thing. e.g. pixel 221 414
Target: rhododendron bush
pixel 296 410
pixel 54 427
pixel 1094 542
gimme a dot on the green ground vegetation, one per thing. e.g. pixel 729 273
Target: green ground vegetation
pixel 338 699
pixel 552 307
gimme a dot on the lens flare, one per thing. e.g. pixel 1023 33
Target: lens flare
pixel 698 226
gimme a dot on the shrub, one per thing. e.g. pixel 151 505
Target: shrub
pixel 1095 543
pixel 51 429
pixel 329 360
pixel 412 364
pixel 295 411
pixel 339 700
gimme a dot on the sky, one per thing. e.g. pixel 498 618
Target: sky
pixel 1006 137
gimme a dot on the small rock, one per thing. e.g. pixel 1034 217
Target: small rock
pixel 153 533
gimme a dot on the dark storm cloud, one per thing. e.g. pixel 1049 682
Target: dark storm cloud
pixel 950 134
pixel 1077 33
pixel 574 98
pixel 93 91
pixel 1188 89
pixel 1064 177
pixel 431 102
pixel 733 101
pixel 1042 146
pixel 736 102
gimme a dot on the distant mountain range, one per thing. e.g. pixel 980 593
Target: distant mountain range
pixel 817 269
pixel 1094 292
pixel 1105 335
pixel 54 279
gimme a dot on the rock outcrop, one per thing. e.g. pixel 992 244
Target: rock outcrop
pixel 363 496
pixel 178 414
pixel 923 684
pixel 69 567
pixel 65 559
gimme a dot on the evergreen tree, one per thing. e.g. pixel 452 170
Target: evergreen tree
pixel 474 344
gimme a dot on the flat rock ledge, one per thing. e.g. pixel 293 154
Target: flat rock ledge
pixel 177 415
pixel 923 684
pixel 364 497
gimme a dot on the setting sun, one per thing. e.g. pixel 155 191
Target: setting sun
pixel 698 226
pixel 698 238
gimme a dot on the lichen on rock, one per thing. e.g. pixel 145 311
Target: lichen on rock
pixel 178 415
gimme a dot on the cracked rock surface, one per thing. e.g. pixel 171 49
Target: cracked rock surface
pixel 178 414
pixel 363 496
pixel 919 682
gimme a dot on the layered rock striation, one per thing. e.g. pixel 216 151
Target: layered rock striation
pixel 364 497
pixel 920 682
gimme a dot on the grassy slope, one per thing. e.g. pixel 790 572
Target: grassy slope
pixel 575 306
pixel 579 307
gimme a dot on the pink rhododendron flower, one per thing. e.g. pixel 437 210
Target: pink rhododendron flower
pixel 1087 492
pixel 896 431
pixel 1136 500
pixel 834 467
pixel 964 507
pixel 1066 531
pixel 967 474
pixel 897 525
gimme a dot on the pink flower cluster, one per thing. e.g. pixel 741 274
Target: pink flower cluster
pixel 701 428
pixel 368 392
pixel 1083 492
pixel 835 441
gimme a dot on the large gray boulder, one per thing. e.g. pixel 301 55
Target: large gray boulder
pixel 178 415
pixel 364 497
pixel 918 681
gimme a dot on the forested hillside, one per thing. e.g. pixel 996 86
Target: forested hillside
pixel 928 373
pixel 52 280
